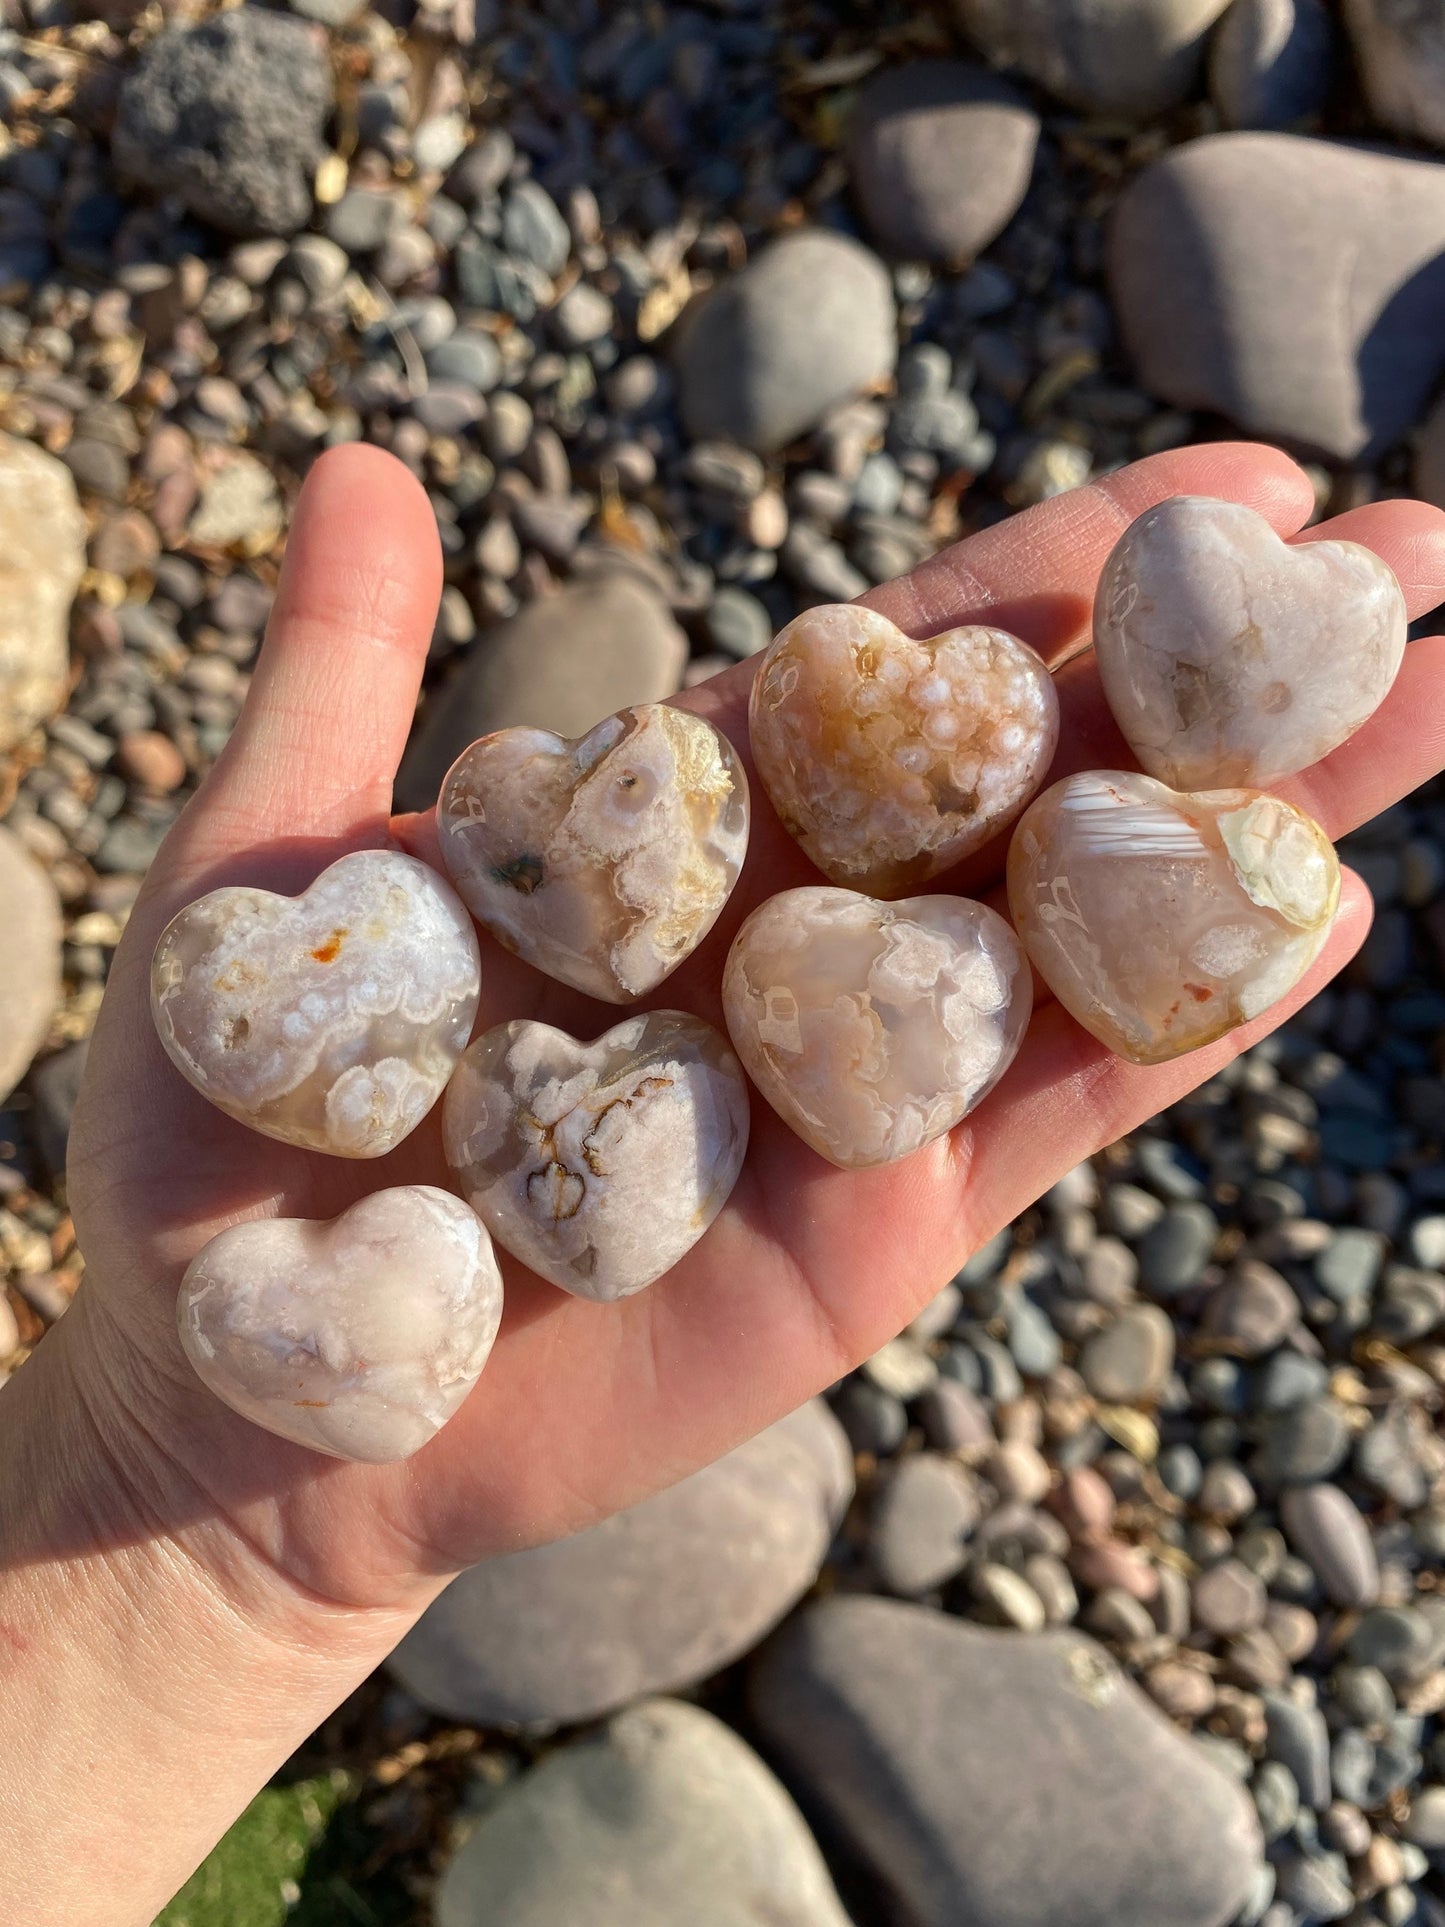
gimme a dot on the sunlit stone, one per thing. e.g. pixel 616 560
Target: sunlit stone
pixel 1232 657
pixel 872 1028
pixel 359 1337
pixel 890 759
pixel 603 861
pixel 1162 921
pixel 331 1020
pixel 598 1165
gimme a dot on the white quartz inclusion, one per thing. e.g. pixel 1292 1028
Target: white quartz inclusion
pixel 359 1337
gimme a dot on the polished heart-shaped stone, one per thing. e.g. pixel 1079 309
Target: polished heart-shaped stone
pixel 1233 658
pixel 603 861
pixel 358 1337
pixel 889 758
pixel 331 1020
pixel 1160 920
pixel 598 1165
pixel 872 1028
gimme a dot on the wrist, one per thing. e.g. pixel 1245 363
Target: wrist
pixel 145 1643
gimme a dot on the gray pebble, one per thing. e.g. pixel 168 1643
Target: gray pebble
pixel 1276 1799
pixel 737 623
pixel 1130 1359
pixel 1318 1887
pixel 1352 1766
pixel 470 357
pixel 1175 1250
pixel 1228 1598
pixel 1296 1736
pixel 1326 1529
pixel 1252 1311
pixel 1350 1263
pixel 922 1516
pixel 533 227
pixel 1307 1443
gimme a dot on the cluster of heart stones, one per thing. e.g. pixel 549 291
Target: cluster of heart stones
pixel 1161 909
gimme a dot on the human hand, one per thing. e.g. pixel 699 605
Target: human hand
pixel 584 1408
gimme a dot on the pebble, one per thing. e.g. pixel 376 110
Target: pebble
pixel 954 1419
pixel 652 1600
pixel 42 540
pixel 1296 1735
pixel 941 154
pixel 29 959
pixel 1272 62
pixel 1305 1443
pixel 1114 62
pixel 1251 1312
pixel 1350 1263
pixel 1009 1596
pixel 563 663
pixel 860 1699
pixel 146 757
pixel 664 1801
pixel 1130 1360
pixel 808 324
pixel 228 116
pixel 1175 1248
pixel 1228 1598
pixel 1424 1825
pixel 922 1516
pixel 1193 283
pixel 1400 51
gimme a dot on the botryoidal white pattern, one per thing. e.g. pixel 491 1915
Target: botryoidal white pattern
pixel 332 1019
pixel 1163 920
pixel 1230 657
pixel 890 758
pixel 604 861
pixel 359 1337
pixel 872 1028
pixel 598 1165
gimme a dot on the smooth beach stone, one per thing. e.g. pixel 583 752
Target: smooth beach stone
pixel 890 758
pixel 603 861
pixel 359 1337
pixel 872 1028
pixel 1230 657
pixel 599 1165
pixel 332 1019
pixel 1162 921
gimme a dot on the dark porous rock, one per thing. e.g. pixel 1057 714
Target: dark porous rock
pixel 1295 286
pixel 651 1600
pixel 1115 57
pixel 1000 1778
pixel 562 663
pixel 1400 52
pixel 923 1513
pixel 806 325
pixel 664 1816
pixel 1272 62
pixel 941 155
pixel 229 116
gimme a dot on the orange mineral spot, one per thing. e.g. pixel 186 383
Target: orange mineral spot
pixel 329 951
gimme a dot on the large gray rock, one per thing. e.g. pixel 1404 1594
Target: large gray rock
pixel 941 155
pixel 649 1601
pixel 563 663
pixel 1127 57
pixel 1295 286
pixel 1000 1779
pixel 229 116
pixel 42 558
pixel 1400 50
pixel 1272 62
pixel 807 324
pixel 29 959
pixel 665 1817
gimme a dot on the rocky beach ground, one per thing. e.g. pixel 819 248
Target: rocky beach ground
pixel 1110 1590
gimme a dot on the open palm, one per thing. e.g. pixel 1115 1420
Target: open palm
pixel 584 1408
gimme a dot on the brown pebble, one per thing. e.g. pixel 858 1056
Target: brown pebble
pixel 1294 1629
pixel 1184 1692
pixel 1110 1563
pixel 1229 1598
pixel 152 760
pixel 125 545
pixel 1085 1503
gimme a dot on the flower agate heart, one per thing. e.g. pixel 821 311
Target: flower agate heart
pixel 604 861
pixel 599 1165
pixel 1230 657
pixel 1160 920
pixel 890 759
pixel 331 1020
pixel 360 1337
pixel 872 1028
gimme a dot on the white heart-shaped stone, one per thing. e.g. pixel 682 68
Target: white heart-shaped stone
pixel 605 860
pixel 872 1028
pixel 1230 657
pixel 890 758
pixel 1161 920
pixel 598 1165
pixel 358 1337
pixel 331 1020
